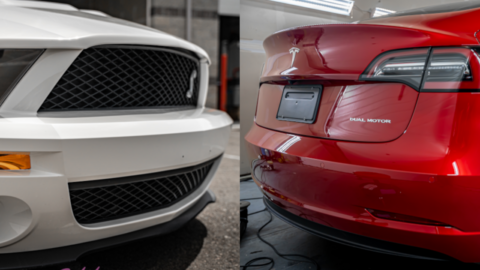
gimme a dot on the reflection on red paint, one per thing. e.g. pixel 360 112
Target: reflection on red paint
pixel 350 113
pixel 332 183
pixel 403 218
pixel 410 155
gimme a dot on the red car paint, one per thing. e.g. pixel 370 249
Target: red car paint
pixel 426 164
pixel 339 104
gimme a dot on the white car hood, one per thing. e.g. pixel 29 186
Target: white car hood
pixel 27 24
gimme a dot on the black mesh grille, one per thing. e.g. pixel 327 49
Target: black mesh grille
pixel 97 201
pixel 125 78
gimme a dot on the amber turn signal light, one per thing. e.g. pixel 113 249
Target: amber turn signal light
pixel 14 162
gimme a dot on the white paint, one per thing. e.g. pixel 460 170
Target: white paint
pixel 37 4
pixel 34 28
pixel 88 146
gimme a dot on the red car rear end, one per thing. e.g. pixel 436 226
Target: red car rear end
pixel 369 134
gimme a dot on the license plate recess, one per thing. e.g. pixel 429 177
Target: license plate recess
pixel 300 103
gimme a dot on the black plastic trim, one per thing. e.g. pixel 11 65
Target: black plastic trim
pixel 354 240
pixel 152 48
pixel 317 89
pixel 429 61
pixel 71 253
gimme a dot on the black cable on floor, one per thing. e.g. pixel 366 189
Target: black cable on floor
pixel 284 256
pixel 257 212
pixel 250 263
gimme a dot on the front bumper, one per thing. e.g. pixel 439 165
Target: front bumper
pixel 72 253
pixel 323 182
pixel 67 149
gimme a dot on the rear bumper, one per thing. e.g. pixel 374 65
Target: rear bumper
pixel 330 184
pixel 72 149
pixel 351 239
pixel 71 253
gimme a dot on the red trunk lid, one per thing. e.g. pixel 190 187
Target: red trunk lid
pixel 334 56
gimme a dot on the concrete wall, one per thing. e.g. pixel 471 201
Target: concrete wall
pixel 260 18
pixel 170 16
pixel 131 10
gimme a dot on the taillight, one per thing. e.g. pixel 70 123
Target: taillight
pixel 452 70
pixel 406 66
pixel 440 69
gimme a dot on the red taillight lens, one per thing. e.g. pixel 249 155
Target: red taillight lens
pixel 406 66
pixel 440 69
pixel 452 70
pixel 403 218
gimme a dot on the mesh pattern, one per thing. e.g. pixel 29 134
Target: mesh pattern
pixel 115 201
pixel 125 77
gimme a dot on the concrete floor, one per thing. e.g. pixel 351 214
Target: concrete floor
pixel 329 255
pixel 208 242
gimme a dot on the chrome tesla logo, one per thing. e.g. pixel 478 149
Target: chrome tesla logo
pixel 192 84
pixel 294 51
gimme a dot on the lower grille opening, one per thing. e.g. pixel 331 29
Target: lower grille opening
pixel 110 199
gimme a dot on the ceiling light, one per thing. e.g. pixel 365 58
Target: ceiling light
pixel 382 12
pixel 342 7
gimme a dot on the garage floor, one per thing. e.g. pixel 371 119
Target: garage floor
pixel 329 255
pixel 208 242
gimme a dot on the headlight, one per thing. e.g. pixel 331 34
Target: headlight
pixel 14 63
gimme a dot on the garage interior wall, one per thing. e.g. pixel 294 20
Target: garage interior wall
pixel 260 18
pixel 131 10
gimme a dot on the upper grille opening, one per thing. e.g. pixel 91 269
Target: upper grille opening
pixel 126 77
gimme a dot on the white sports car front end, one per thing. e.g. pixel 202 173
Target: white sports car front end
pixel 104 135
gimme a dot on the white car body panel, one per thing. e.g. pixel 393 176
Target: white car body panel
pixel 44 27
pixel 69 147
